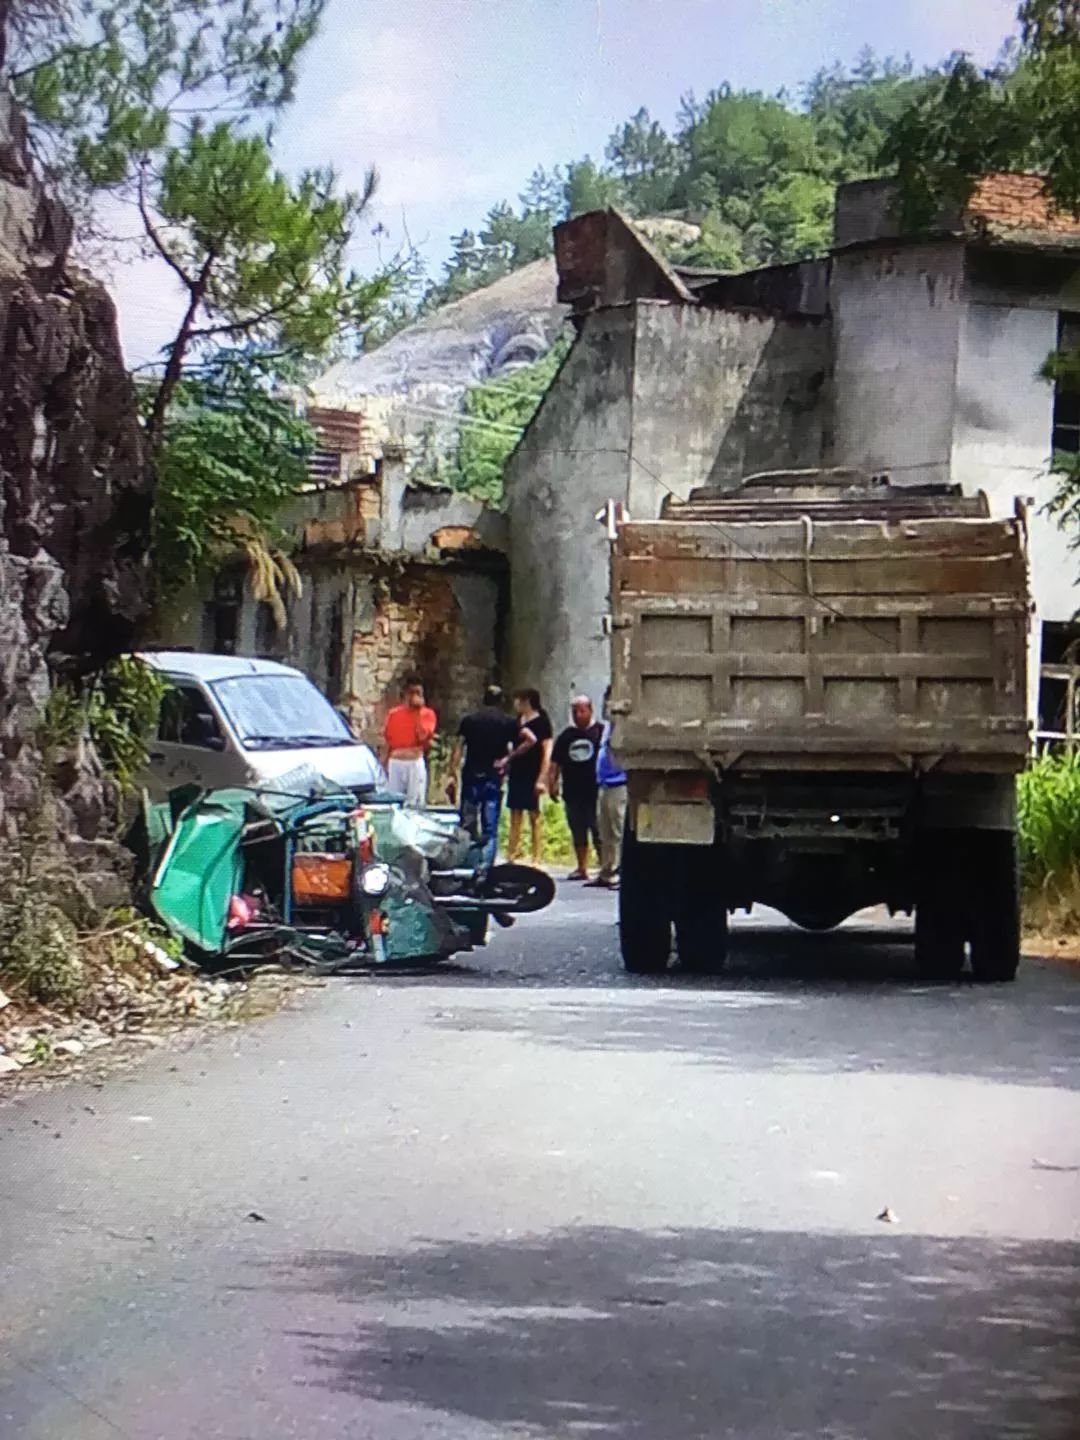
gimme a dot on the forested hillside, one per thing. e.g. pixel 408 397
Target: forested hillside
pixel 756 172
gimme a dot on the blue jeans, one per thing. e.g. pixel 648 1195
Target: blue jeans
pixel 481 802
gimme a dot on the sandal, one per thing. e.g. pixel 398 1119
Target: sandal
pixel 578 875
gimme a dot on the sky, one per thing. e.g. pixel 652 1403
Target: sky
pixel 455 102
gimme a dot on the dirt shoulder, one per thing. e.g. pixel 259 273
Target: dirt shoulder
pixel 44 1047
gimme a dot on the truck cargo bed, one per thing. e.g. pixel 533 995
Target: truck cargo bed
pixel 788 625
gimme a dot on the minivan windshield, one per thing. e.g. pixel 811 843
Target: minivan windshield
pixel 280 712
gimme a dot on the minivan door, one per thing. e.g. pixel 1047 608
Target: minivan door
pixel 192 745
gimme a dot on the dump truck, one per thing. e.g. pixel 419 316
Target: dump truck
pixel 819 697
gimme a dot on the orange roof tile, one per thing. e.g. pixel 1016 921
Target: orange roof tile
pixel 1019 202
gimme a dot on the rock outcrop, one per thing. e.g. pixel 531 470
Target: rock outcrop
pixel 416 382
pixel 74 492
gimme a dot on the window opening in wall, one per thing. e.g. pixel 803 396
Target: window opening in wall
pixel 221 625
pixel 1058 725
pixel 1067 395
pixel 271 643
pixel 221 616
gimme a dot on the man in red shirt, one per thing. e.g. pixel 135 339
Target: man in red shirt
pixel 410 729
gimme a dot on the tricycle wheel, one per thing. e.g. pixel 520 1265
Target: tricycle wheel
pixel 529 888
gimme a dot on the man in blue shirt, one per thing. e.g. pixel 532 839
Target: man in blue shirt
pixel 611 807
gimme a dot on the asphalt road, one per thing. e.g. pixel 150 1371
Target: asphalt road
pixel 533 1197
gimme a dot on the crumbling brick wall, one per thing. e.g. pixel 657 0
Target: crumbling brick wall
pixel 438 621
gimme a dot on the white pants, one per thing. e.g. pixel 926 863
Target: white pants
pixel 408 778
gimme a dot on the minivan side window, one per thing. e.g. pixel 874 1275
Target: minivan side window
pixel 186 718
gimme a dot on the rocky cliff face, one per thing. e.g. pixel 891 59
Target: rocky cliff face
pixel 74 495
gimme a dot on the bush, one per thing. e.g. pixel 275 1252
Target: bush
pixel 1049 813
pixel 39 954
pixel 558 846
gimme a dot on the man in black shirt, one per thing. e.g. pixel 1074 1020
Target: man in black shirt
pixel 485 738
pixel 573 760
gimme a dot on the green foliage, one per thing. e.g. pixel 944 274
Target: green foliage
pixel 500 410
pixel 39 951
pixel 507 240
pixel 117 711
pixel 233 454
pixel 1021 113
pixel 263 258
pixel 853 112
pixel 122 716
pixel 756 172
pixel 106 83
pixel 1049 813
pixel 589 188
pixel 557 843
pixel 644 160
pixel 167 103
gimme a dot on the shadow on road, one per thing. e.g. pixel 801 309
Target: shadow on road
pixel 689 1334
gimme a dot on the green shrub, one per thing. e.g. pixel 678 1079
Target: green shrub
pixel 39 954
pixel 558 846
pixel 1049 806
pixel 1049 813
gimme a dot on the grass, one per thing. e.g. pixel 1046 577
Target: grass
pixel 1049 812
pixel 558 847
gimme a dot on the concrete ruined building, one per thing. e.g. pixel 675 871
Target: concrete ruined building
pixel 74 494
pixel 398 573
pixel 397 576
pixel 918 357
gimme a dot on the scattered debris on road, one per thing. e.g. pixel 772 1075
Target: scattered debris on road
pixel 129 1000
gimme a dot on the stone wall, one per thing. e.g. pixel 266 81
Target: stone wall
pixel 438 622
pixel 74 496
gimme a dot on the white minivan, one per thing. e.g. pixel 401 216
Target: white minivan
pixel 231 721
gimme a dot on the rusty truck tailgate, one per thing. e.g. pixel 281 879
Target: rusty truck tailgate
pixel 823 642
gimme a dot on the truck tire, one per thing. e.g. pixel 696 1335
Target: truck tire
pixel 995 906
pixel 644 907
pixel 702 940
pixel 701 920
pixel 940 898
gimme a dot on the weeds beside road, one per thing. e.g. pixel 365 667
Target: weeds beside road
pixel 1049 812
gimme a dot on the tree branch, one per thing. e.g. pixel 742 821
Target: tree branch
pixel 155 430
pixel 155 239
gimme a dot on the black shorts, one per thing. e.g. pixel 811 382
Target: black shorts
pixel 581 817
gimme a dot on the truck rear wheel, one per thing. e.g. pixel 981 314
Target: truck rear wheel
pixel 644 913
pixel 995 906
pixel 939 909
pixel 702 940
pixel 701 919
